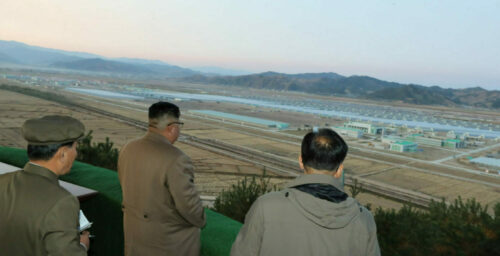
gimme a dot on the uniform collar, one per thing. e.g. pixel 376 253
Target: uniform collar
pixel 316 178
pixel 40 170
pixel 156 136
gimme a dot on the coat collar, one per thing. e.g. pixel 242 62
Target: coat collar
pixel 41 171
pixel 316 178
pixel 156 137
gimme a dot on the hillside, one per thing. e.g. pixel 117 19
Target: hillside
pixel 34 55
pixel 319 83
pixel 17 53
pixel 4 58
pixel 100 65
pixel 22 54
pixel 358 86
pixel 478 97
pixel 413 94
pixel 108 66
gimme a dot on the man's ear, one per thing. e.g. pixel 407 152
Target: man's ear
pixel 301 164
pixel 164 131
pixel 64 152
pixel 339 171
pixel 59 153
pixel 168 129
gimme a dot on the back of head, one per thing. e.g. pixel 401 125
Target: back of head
pixel 161 113
pixel 323 150
pixel 45 152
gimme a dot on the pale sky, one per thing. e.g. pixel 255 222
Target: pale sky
pixel 448 43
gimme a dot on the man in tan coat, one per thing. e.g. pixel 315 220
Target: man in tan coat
pixel 37 216
pixel 312 215
pixel 162 211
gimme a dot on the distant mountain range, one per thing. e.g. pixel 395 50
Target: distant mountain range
pixel 317 83
pixel 23 54
pixel 125 67
pixel 359 87
pixel 221 71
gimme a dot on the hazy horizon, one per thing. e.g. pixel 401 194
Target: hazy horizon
pixel 452 44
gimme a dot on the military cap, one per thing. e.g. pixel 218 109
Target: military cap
pixel 52 130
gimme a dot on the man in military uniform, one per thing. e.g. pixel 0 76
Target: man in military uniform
pixel 37 216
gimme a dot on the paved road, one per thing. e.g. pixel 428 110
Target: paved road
pixel 394 165
pixel 362 149
pixel 467 153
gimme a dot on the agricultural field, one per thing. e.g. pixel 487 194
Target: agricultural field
pixel 216 172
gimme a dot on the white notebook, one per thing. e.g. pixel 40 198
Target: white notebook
pixel 84 222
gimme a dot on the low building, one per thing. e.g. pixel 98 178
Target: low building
pixel 365 127
pixel 421 140
pixel 467 136
pixel 241 119
pixel 453 143
pixel 403 146
pixel 417 130
pixel 349 132
pixel 451 135
pixel 486 161
pixel 391 139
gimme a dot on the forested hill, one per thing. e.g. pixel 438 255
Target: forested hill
pixel 358 86
pixel 435 95
pixel 321 83
pixel 137 68
pixel 21 54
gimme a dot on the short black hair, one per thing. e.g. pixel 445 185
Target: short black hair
pixel 162 108
pixel 323 150
pixel 45 152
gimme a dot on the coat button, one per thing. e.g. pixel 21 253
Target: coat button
pixel 145 216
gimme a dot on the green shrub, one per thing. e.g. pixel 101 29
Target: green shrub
pixel 99 154
pixel 405 232
pixel 235 202
pixel 461 228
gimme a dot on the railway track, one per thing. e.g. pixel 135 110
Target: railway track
pixel 284 167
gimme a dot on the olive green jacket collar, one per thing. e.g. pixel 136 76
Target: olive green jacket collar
pixel 317 178
pixel 42 171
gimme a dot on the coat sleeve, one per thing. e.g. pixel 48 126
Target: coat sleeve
pixel 60 228
pixel 373 248
pixel 180 180
pixel 249 239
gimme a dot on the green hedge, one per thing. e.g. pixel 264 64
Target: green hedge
pixel 105 209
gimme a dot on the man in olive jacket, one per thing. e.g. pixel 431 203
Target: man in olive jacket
pixel 312 215
pixel 37 216
pixel 162 211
